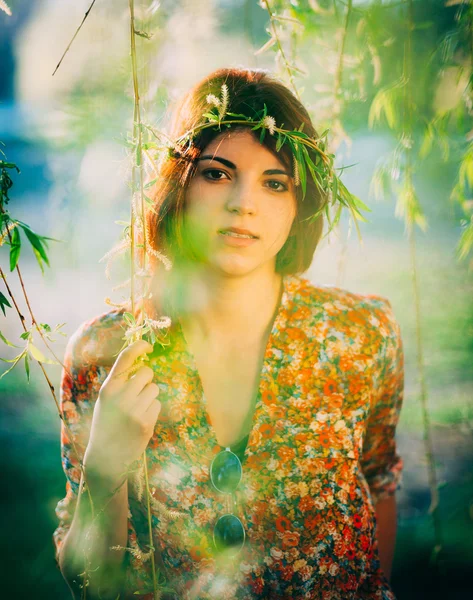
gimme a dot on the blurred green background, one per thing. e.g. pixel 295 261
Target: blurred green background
pixel 67 134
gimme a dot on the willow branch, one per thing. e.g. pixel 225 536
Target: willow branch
pixel 74 37
pixel 429 453
pixel 281 49
pixel 137 126
pixel 50 385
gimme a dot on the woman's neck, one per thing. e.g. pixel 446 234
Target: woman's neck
pixel 218 309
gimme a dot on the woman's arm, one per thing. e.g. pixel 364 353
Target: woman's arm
pixel 381 463
pixel 110 421
pixel 386 517
pixel 110 529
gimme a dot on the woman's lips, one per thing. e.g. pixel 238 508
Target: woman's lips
pixel 231 240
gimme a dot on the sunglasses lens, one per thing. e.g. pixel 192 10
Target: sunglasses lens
pixel 225 472
pixel 229 533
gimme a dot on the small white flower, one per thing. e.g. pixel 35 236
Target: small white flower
pixel 162 323
pixel 162 257
pixel 4 6
pixel 132 331
pixel 269 123
pixel 295 168
pixel 224 97
pixel 212 99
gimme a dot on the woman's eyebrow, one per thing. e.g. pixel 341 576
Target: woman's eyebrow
pixel 224 161
pixel 231 165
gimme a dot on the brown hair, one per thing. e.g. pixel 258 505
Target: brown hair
pixel 249 90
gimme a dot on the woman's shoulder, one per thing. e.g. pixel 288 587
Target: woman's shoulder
pixel 98 340
pixel 337 301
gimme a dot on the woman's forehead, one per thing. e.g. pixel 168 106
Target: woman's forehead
pixel 241 147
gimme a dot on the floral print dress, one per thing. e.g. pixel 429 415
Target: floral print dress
pixel 320 454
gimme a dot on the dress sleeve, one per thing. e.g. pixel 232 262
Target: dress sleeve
pixel 81 381
pixel 381 464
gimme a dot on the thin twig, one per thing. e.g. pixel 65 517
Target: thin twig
pixel 51 386
pixel 74 37
pixel 428 444
pixel 281 49
pixel 137 126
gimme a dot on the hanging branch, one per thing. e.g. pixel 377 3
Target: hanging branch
pixel 139 162
pixel 74 36
pixel 408 206
pixel 465 172
pixel 400 167
pixel 61 416
pixel 339 72
pixel 275 40
pixel 12 225
pixel 95 515
pixel 336 114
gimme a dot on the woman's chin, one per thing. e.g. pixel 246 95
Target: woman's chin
pixel 233 265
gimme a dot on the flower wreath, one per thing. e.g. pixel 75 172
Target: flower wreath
pixel 321 169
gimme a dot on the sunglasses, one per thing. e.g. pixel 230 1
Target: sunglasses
pixel 225 474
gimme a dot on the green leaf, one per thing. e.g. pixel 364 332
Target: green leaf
pixel 15 248
pixel 237 115
pixel 7 342
pixel 39 356
pixel 211 116
pixel 386 100
pixel 15 361
pixel 299 134
pixel 38 249
pixel 58 327
pixel 280 142
pixel 39 260
pixel 27 366
pixel 149 184
pixel 334 188
pixel 427 142
pixel 466 240
pixel 358 203
pixel 25 335
pixel 307 157
pixel 337 215
pixel 143 34
pixel 44 238
pixel 262 134
pixel 4 302
pixel 129 319
pixel 302 168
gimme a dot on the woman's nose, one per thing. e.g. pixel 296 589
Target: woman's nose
pixel 242 199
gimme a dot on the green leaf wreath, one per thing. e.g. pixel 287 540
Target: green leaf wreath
pixel 321 168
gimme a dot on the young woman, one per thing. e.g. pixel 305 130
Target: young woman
pixel 268 417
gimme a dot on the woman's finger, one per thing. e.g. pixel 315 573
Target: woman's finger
pixel 120 371
pixel 136 383
pixel 148 400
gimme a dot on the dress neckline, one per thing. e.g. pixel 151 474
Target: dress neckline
pixel 276 325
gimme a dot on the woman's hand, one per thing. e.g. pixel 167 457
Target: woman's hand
pixel 125 414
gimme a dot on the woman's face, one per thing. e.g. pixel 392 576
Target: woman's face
pixel 239 184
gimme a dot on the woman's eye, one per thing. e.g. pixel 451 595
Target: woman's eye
pixel 277 186
pixel 214 174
